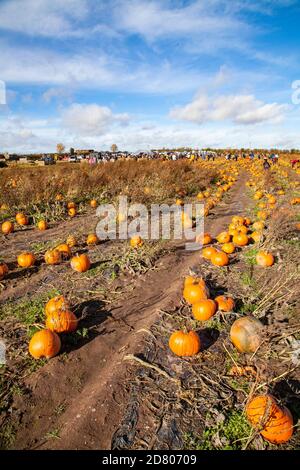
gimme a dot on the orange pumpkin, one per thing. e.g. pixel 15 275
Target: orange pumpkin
pixel 92 239
pixel 258 226
pixel 224 237
pixel 26 259
pixel 195 292
pixel 62 321
pixel 264 259
pixel 80 263
pixel 7 227
pixel 237 220
pixel 225 304
pixel 184 344
pixel 44 343
pixel 256 237
pixel 22 219
pixel 275 423
pixel 189 280
pixel 247 221
pixel 204 239
pixel 204 309
pixel 3 270
pixel 93 203
pixel 58 303
pixel 42 225
pixel 136 241
pixel 262 215
pixel 52 257
pixel 242 229
pixel 59 197
pixel 241 239
pixel 71 241
pixel 220 258
pixel 228 248
pixel 246 334
pixel 208 251
pixel 72 212
pixel 64 249
pixel 71 205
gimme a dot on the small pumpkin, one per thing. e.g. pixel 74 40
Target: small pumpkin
pixel 241 239
pixel 71 241
pixel 92 239
pixel 258 226
pixel 246 334
pixel 225 304
pixel 204 309
pixel 64 249
pixel 195 292
pixel 53 257
pixel 42 225
pixel 204 239
pixel 80 263
pixel 224 237
pixel 220 258
pixel 26 259
pixel 275 423
pixel 184 344
pixel 58 303
pixel 264 259
pixel 208 251
pixel 44 343
pixel 136 241
pixel 22 219
pixel 7 227
pixel 93 203
pixel 72 212
pixel 71 205
pixel 62 321
pixel 228 248
pixel 237 220
pixel 256 237
pixel 3 270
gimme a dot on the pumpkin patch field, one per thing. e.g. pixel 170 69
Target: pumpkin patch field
pixel 142 344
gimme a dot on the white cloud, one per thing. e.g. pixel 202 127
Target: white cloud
pixel 240 109
pixel 91 119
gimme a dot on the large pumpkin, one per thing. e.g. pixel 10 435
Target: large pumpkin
pixel 274 422
pixel 58 303
pixel 62 321
pixel 184 344
pixel 195 292
pixel 7 227
pixel 3 270
pixel 208 251
pixel 220 259
pixel 264 259
pixel 26 259
pixel 80 263
pixel 246 334
pixel 241 239
pixel 225 304
pixel 52 257
pixel 44 343
pixel 204 309
pixel 22 219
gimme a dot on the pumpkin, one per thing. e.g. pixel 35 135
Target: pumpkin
pixel 7 227
pixel 225 304
pixel 93 203
pixel 42 225
pixel 58 303
pixel 256 237
pixel 247 221
pixel 237 220
pixel 53 257
pixel 228 248
pixel 71 205
pixel 92 239
pixel 241 239
pixel 204 309
pixel 3 270
pixel 195 292
pixel 71 241
pixel 26 259
pixel 22 219
pixel 258 226
pixel 179 202
pixel 275 423
pixel 220 258
pixel 204 239
pixel 246 334
pixel 62 321
pixel 208 251
pixel 72 212
pixel 59 197
pixel 242 229
pixel 224 237
pixel 44 343
pixel 80 263
pixel 189 280
pixel 184 344
pixel 64 249
pixel 264 259
pixel 136 241
pixel 262 215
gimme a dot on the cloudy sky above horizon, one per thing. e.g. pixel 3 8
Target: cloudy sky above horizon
pixel 149 73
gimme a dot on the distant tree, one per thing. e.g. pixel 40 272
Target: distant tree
pixel 60 148
pixel 114 148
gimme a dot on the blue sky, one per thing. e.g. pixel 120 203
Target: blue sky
pixel 149 73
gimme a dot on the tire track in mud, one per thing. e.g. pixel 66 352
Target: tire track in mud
pixel 90 381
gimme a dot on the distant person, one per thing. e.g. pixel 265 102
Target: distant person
pixel 266 164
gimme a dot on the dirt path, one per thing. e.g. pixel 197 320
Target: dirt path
pixel 78 401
